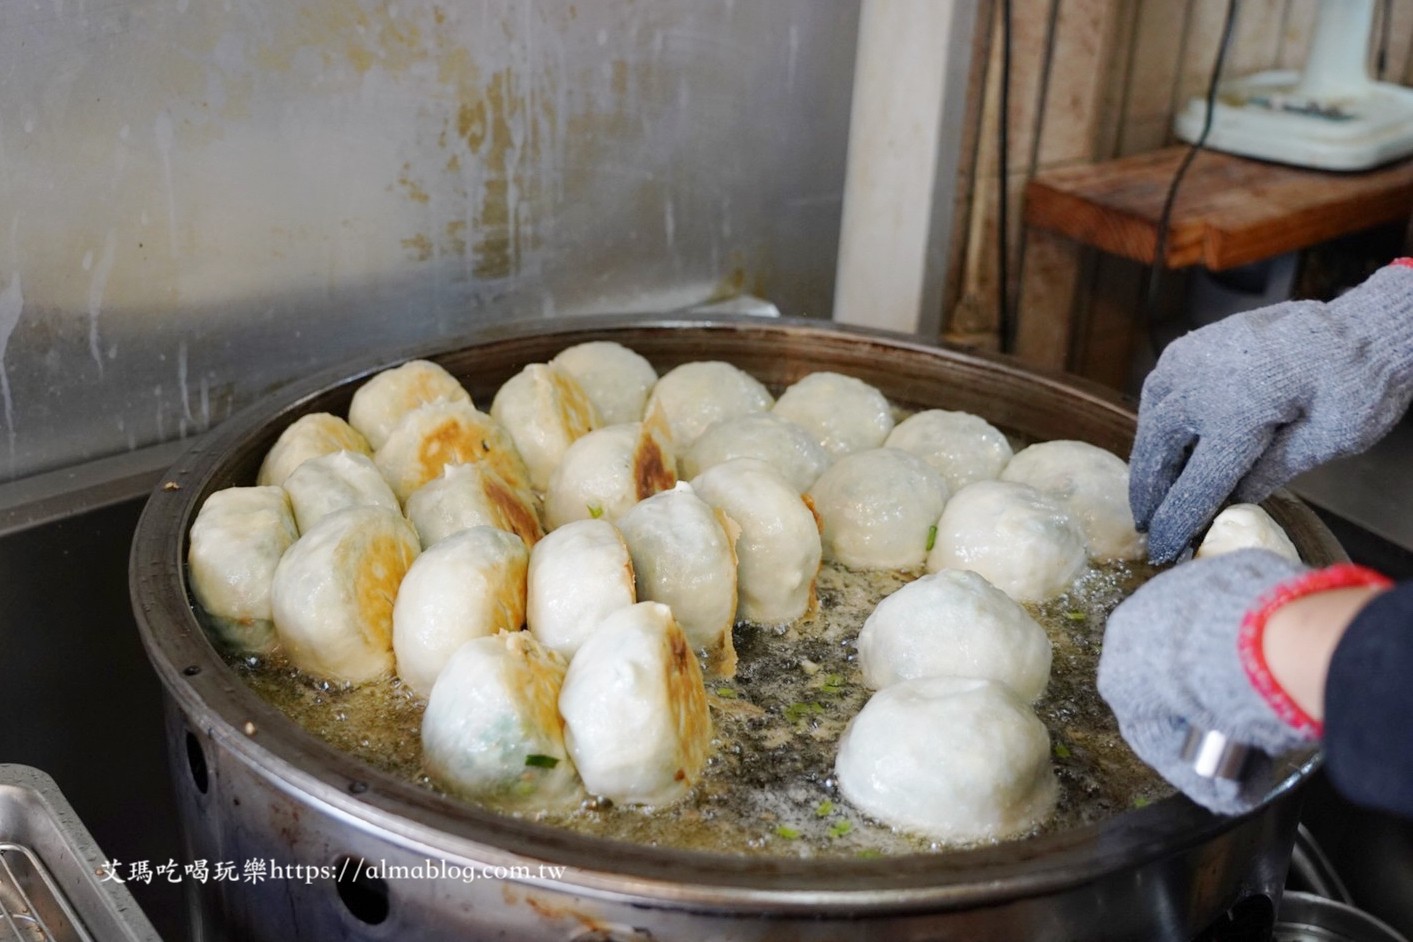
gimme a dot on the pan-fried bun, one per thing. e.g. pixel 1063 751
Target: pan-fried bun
pixel 609 470
pixel 472 495
pixel 579 574
pixel 309 436
pixel 684 555
pixel 958 760
pixel 779 547
pixel 1244 526
pixel 331 482
pixel 616 379
pixel 954 623
pixel 964 448
pixel 878 507
pixel 333 592
pixel 1022 541
pixel 845 414
pixel 431 437
pixel 1092 485
pixel 772 438
pixel 545 411
pixel 695 396
pixel 492 730
pixel 469 585
pixel 237 540
pixel 380 403
pixel 634 708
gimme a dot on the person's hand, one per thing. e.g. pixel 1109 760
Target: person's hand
pixel 1243 405
pixel 1187 651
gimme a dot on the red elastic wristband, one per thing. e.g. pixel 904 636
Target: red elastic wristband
pixel 1253 629
pixel 1402 262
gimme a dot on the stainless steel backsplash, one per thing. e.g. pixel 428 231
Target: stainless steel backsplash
pixel 202 200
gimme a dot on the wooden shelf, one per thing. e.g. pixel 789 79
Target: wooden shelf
pixel 1229 210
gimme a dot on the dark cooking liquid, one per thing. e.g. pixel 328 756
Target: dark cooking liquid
pixel 769 787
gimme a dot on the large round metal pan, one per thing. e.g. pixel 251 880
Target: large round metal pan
pixel 252 781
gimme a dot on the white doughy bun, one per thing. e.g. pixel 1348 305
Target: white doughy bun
pixel 579 574
pixel 634 708
pixel 774 439
pixel 954 623
pixel 609 470
pixel 431 437
pixel 695 396
pixel 616 379
pixel 845 414
pixel 331 482
pixel 1020 540
pixel 544 410
pixel 469 585
pixel 877 507
pixel 309 436
pixel 1246 526
pixel 956 760
pixel 471 495
pixel 964 448
pixel 492 730
pixel 779 550
pixel 1090 483
pixel 237 540
pixel 380 403
pixel 684 556
pixel 333 592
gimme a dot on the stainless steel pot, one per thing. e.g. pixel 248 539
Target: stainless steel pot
pixel 253 786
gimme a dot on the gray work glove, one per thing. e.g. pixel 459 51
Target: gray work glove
pixel 1243 405
pixel 1171 661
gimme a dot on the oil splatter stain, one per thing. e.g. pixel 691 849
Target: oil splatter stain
pixel 419 247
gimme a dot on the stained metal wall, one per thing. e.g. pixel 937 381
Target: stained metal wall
pixel 201 200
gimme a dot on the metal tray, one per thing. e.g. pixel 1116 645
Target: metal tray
pixel 52 874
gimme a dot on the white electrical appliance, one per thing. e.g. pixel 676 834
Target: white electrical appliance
pixel 1330 116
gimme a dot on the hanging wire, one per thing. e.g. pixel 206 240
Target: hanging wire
pixel 1160 249
pixel 1004 321
pixel 1033 159
pixel 1381 63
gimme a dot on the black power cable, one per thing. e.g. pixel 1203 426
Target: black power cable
pixel 1042 98
pixel 1382 61
pixel 1160 249
pixel 1005 323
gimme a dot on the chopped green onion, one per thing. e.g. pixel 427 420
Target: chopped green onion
pixel 824 809
pixel 869 854
pixel 840 828
pixel 1141 802
pixel 1062 750
pixel 1076 615
pixel 787 832
pixel 833 683
pixel 541 762
pixel 931 537
pixel 798 711
pixel 726 693
pixel 595 511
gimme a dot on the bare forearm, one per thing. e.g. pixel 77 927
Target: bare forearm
pixel 1301 636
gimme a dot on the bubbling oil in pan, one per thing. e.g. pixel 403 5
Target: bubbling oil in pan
pixel 769 787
